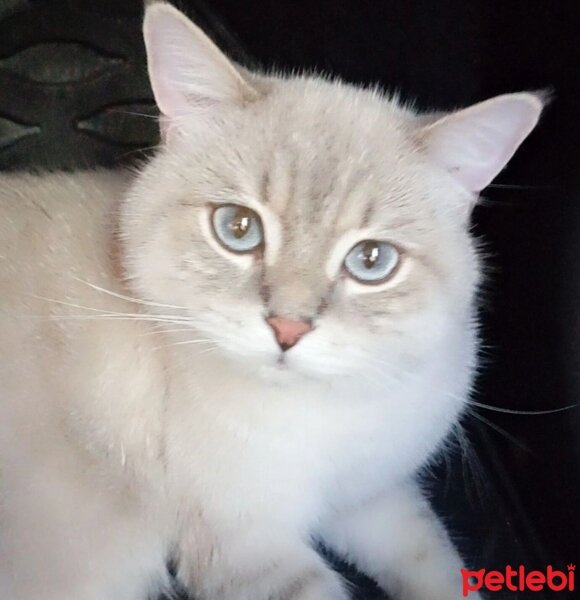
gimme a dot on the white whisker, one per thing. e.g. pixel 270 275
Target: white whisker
pixel 161 329
pixel 210 350
pixel 185 343
pixel 501 431
pixel 124 297
pixel 106 317
pixel 511 411
pixel 105 314
pixel 73 305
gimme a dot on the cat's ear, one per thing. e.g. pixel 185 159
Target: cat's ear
pixel 475 144
pixel 188 72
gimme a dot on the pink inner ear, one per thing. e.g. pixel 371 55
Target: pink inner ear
pixel 187 71
pixel 165 40
pixel 475 144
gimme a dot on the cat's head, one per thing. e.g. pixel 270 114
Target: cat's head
pixel 302 223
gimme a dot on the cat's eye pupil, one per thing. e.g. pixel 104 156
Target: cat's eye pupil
pixel 240 224
pixel 370 252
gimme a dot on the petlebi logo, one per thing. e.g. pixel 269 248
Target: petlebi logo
pixel 518 580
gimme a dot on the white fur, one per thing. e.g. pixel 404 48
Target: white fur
pixel 146 411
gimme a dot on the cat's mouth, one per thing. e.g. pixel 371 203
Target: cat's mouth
pixel 282 371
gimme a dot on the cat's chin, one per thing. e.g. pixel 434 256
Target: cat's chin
pixel 275 373
pixel 283 372
pixel 280 373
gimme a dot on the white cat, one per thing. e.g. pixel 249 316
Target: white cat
pixel 253 343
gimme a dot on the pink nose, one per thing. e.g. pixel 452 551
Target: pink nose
pixel 288 332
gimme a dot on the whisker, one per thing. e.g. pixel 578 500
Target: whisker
pixel 509 186
pixel 511 411
pixel 105 313
pixel 140 150
pixel 73 305
pixel 473 475
pixel 501 431
pixel 134 113
pixel 105 317
pixel 210 350
pixel 164 330
pixel 110 314
pixel 385 370
pixel 125 297
pixel 184 343
pixel 381 379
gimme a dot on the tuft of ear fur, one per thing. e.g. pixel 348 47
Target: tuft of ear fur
pixel 188 72
pixel 476 143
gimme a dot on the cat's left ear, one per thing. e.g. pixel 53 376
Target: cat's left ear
pixel 189 74
pixel 476 143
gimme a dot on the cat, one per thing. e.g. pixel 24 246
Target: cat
pixel 251 344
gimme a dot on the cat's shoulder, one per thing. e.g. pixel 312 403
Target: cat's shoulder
pixel 44 202
pixel 24 189
pixel 53 221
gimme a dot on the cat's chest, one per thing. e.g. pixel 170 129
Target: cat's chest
pixel 270 447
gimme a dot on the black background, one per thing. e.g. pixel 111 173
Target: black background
pixel 73 89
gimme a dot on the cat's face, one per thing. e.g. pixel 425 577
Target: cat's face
pixel 306 226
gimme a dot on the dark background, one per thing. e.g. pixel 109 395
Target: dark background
pixel 74 93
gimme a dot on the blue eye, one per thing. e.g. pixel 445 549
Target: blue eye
pixel 371 262
pixel 237 228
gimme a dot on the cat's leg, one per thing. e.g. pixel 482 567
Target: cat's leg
pixel 74 538
pixel 267 564
pixel 399 542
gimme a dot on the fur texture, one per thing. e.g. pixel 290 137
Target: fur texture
pixel 146 408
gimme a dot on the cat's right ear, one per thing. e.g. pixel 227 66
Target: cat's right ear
pixel 189 75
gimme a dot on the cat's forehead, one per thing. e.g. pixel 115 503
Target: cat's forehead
pixel 328 128
pixel 316 154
